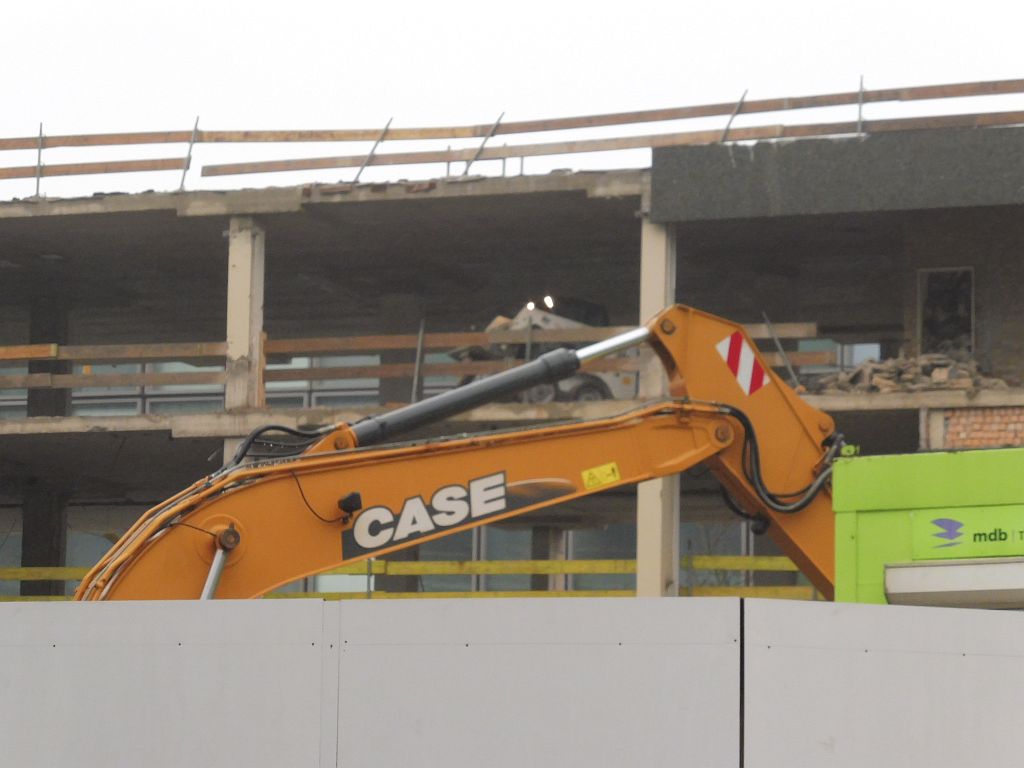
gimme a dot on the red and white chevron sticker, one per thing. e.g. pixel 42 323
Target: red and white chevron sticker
pixel 743 363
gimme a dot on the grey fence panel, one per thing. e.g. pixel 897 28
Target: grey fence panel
pixel 218 683
pixel 510 682
pixel 877 685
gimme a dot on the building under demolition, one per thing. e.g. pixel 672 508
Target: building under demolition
pixel 143 335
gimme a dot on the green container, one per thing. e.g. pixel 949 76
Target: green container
pixel 923 507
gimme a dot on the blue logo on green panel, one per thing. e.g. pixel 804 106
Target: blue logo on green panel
pixel 951 531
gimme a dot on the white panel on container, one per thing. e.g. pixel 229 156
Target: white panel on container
pixel 218 683
pixel 882 685
pixel 510 682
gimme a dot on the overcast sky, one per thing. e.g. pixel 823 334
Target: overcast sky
pixel 106 65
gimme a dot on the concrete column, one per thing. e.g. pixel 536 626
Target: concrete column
pixel 549 543
pixel 43 509
pixel 230 446
pixel 933 429
pixel 48 324
pixel 44 535
pixel 246 267
pixel 657 512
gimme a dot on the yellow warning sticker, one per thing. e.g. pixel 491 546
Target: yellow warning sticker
pixel 606 474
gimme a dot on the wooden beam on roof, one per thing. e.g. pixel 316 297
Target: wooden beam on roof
pixel 915 93
pixel 82 169
pixel 977 120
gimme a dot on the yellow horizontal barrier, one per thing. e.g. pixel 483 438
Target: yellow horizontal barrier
pixel 775 593
pixel 34 598
pixel 434 595
pixel 493 568
pixel 42 574
pixel 477 567
pixel 557 567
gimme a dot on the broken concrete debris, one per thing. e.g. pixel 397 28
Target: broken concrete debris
pixel 915 374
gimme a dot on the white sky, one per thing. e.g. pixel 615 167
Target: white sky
pixel 108 65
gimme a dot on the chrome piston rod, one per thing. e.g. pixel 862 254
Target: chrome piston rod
pixel 614 344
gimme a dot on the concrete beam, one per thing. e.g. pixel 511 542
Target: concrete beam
pixel 239 424
pixel 246 268
pixel 243 202
pixel 912 401
pixel 657 513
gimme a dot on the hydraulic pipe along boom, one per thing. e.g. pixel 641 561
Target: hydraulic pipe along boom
pixel 549 367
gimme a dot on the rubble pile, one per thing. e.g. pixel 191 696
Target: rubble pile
pixel 901 374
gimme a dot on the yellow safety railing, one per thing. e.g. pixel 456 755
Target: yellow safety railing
pixel 731 563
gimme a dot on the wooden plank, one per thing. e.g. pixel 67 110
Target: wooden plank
pixel 28 381
pixel 956 90
pixel 782 330
pixel 437 340
pixel 337 344
pixel 765 132
pixel 98 140
pixel 386 371
pixel 405 370
pixel 562 335
pixel 29 352
pixel 86 380
pixel 178 351
pixel 484 367
pixel 82 169
pixel 372 343
pixel 797 359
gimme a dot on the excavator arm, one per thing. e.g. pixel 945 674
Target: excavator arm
pixel 348 493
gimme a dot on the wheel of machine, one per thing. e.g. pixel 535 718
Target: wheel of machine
pixel 589 390
pixel 539 394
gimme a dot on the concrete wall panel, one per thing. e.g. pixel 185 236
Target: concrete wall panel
pixel 860 685
pixel 540 682
pixel 902 171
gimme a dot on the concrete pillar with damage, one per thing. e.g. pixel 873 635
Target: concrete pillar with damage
pixel 657 508
pixel 246 267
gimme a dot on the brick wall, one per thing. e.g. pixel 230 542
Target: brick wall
pixel 983 427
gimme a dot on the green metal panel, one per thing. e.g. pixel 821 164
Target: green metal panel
pixel 924 506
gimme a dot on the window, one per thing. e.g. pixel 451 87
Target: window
pixel 945 317
pixel 185 405
pixel 105 407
